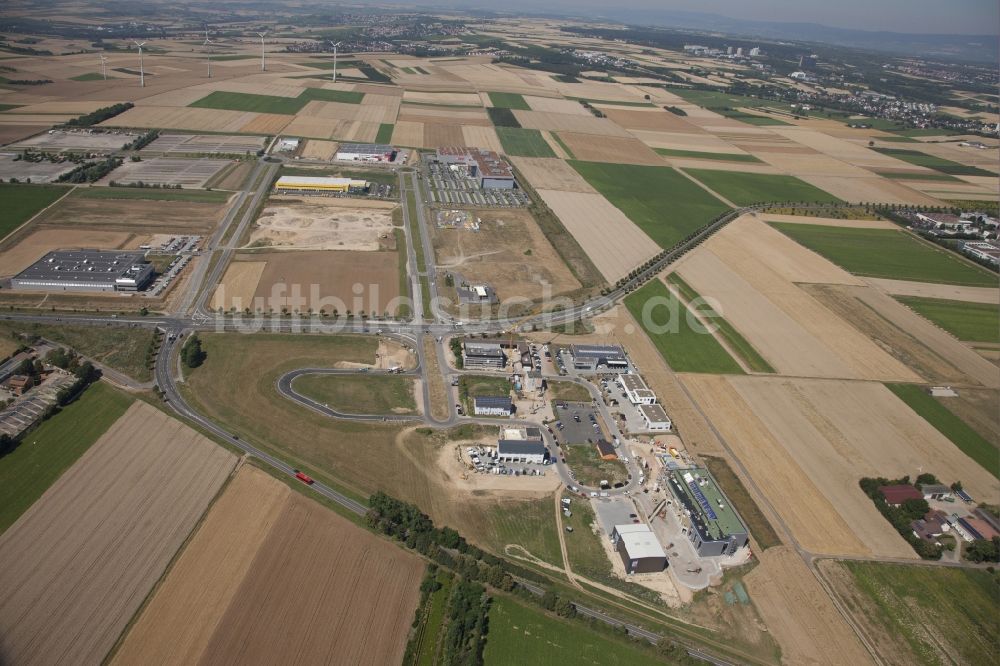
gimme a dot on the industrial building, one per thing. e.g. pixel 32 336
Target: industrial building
pixel 485 166
pixel 492 405
pixel 319 185
pixel 715 528
pixel 655 418
pixel 599 358
pixel 483 355
pixel 639 549
pixel 86 270
pixel 636 390
pixel 522 450
pixel 605 450
pixel 366 152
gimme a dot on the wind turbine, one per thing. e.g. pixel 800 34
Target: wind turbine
pixel 263 65
pixel 104 66
pixel 335 60
pixel 142 74
pixel 208 48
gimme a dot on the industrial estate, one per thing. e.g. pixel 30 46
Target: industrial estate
pixel 371 336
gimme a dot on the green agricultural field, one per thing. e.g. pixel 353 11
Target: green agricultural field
pixel 744 189
pixel 948 424
pixel 22 202
pixel 505 100
pixel 532 526
pixel 232 101
pixel 933 162
pixel 562 144
pixel 122 349
pixel 733 338
pixel 361 394
pixel 887 253
pixel 931 615
pixel 910 175
pixel 520 142
pixel 49 450
pixel 662 202
pixel 698 155
pixel 89 76
pixel 751 118
pixel 972 322
pixel 502 117
pixel 528 636
pixel 151 194
pixel 384 133
pixel 684 348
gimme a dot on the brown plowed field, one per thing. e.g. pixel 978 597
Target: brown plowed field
pixel 80 562
pixel 653 119
pixel 134 215
pixel 799 613
pixel 272 577
pixel 325 280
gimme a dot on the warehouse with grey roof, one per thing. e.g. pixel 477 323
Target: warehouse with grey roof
pixel 86 270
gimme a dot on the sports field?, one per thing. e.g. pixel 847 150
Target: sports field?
pixel 972 322
pixel 748 188
pixel 660 201
pixel 685 346
pixel 887 253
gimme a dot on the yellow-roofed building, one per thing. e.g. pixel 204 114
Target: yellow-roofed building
pixel 319 184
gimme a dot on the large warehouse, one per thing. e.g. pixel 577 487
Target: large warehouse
pixel 599 358
pixel 639 548
pixel 319 185
pixel 715 528
pixel 86 270
pixel 486 166
pixel 366 152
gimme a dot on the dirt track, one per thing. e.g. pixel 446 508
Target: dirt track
pixel 81 560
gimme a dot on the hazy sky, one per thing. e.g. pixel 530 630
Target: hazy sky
pixel 923 16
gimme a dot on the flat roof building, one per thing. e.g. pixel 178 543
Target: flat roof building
pixel 366 152
pixel 715 529
pixel 639 548
pixel 655 418
pixel 86 270
pixel 483 355
pixel 486 166
pixel 319 184
pixel 522 450
pixel 605 450
pixel 599 358
pixel 492 405
pixel 636 390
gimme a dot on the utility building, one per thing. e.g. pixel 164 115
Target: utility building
pixel 366 152
pixel 715 528
pixel 86 270
pixel 639 548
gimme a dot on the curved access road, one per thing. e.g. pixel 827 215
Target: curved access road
pixel 285 388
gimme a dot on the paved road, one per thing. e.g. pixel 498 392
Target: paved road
pixel 285 388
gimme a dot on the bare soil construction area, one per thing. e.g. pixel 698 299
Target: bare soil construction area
pixel 509 252
pixel 807 442
pixel 273 577
pixel 322 223
pixel 799 613
pixel 81 560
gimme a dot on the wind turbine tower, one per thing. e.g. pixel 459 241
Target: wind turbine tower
pixel 208 50
pixel 263 64
pixel 142 73
pixel 104 66
pixel 335 60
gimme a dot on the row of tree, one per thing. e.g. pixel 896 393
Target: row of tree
pixel 100 115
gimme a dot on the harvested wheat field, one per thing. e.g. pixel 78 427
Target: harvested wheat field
pixel 799 613
pixel 655 119
pixel 807 443
pixel 238 285
pixel 613 149
pixel 496 254
pixel 870 188
pixel 407 134
pixel 556 105
pixel 827 221
pixel 273 577
pixel 569 122
pixel 437 135
pixel 81 560
pixel 481 137
pixel 610 239
pixel 30 249
pixel 757 286
pixel 325 279
pixel 321 223
pixel 318 149
pixel 930 290
pixel 547 173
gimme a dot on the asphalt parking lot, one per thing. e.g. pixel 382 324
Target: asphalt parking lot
pixel 574 431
